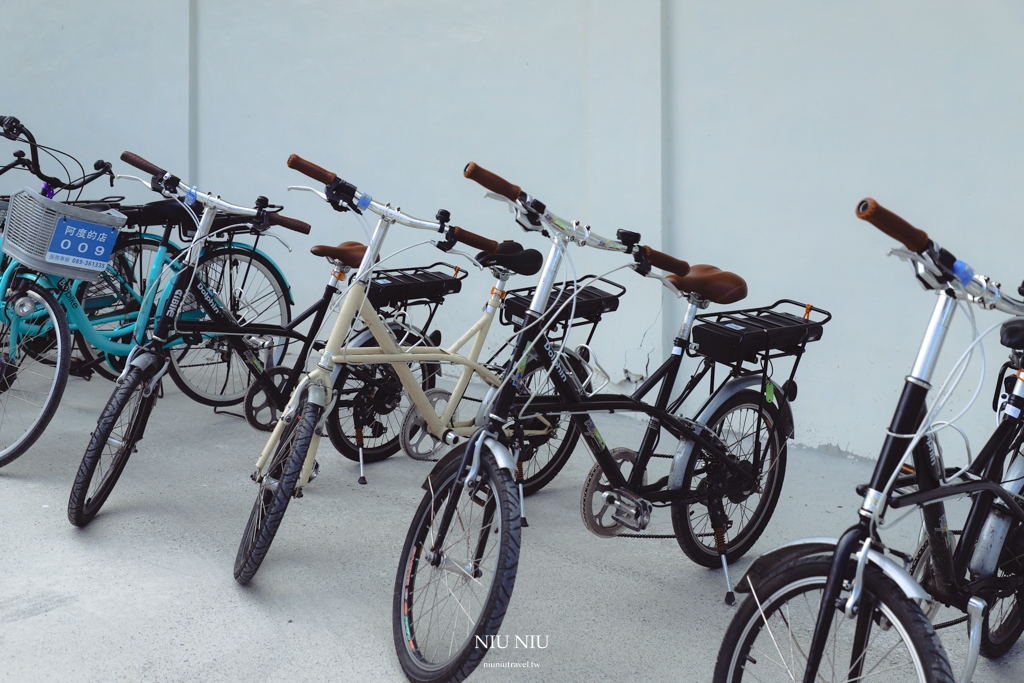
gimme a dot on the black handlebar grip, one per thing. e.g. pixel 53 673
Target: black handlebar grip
pixel 290 223
pixel 492 182
pixel 660 259
pixel 892 225
pixel 141 164
pixel 474 240
pixel 312 170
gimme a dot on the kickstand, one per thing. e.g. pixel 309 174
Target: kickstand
pixel 359 442
pixel 522 508
pixel 719 522
pixel 219 411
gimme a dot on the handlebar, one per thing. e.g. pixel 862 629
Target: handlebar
pixel 936 268
pixel 473 240
pixel 537 211
pixel 12 129
pixel 492 181
pixel 168 184
pixel 290 223
pixel 138 162
pixel 317 173
pixel 892 225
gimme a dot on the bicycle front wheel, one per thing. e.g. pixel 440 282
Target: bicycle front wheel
pixel 117 432
pixel 738 425
pixel 35 358
pixel 890 639
pixel 247 284
pixel 277 481
pixel 444 609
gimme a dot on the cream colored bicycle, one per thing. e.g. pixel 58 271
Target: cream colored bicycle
pixel 286 462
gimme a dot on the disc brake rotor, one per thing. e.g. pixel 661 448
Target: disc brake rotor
pixel 260 412
pixel 416 439
pixel 597 515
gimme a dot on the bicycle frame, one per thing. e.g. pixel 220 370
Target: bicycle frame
pixel 388 351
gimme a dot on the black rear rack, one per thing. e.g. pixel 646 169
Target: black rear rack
pixel 420 285
pixel 735 337
pixel 591 303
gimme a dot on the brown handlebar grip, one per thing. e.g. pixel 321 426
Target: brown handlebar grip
pixel 660 259
pixel 492 182
pixel 290 223
pixel 474 240
pixel 138 162
pixel 892 225
pixel 312 170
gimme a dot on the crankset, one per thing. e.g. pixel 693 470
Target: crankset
pixel 608 512
pixel 416 439
pixel 260 411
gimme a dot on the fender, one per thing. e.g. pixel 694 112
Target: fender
pixel 453 457
pixel 767 563
pixel 735 385
pixel 365 336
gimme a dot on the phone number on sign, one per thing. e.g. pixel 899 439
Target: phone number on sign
pixel 75 261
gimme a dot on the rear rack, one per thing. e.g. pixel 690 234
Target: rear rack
pixel 591 304
pixel 735 337
pixel 420 285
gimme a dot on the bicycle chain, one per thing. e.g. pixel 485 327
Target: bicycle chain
pixel 952 622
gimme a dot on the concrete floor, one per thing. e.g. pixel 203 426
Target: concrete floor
pixel 146 591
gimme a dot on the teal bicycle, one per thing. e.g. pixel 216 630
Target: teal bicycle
pixel 52 295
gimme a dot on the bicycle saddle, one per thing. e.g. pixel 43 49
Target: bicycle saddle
pixel 349 253
pixel 714 284
pixel 1011 334
pixel 512 256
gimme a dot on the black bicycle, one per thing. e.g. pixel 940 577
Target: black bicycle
pixel 855 609
pixel 458 564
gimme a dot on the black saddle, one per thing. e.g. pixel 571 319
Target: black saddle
pixel 1011 334
pixel 512 256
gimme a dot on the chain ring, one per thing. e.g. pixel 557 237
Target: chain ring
pixel 259 413
pixel 417 441
pixel 597 515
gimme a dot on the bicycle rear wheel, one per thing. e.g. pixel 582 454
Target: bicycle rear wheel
pixel 376 394
pixel 442 607
pixel 737 424
pixel 277 483
pixel 118 430
pixel 35 358
pixel 770 635
pixel 548 439
pixel 248 285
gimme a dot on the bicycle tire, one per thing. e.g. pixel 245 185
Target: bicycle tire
pixel 424 660
pixel 734 422
pixel 107 296
pixel 788 601
pixel 210 372
pixel 383 412
pixel 32 382
pixel 277 483
pixel 551 451
pixel 118 430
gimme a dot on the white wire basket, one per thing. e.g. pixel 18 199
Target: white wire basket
pixel 59 239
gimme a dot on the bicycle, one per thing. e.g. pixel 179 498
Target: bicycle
pixel 122 424
pixel 248 280
pixel 806 591
pixel 458 564
pixel 286 462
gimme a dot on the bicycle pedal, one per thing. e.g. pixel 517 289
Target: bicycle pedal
pixel 80 368
pixel 632 512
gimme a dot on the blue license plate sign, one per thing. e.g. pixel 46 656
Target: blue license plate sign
pixel 81 244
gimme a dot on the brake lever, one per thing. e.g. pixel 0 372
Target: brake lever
pixel 304 188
